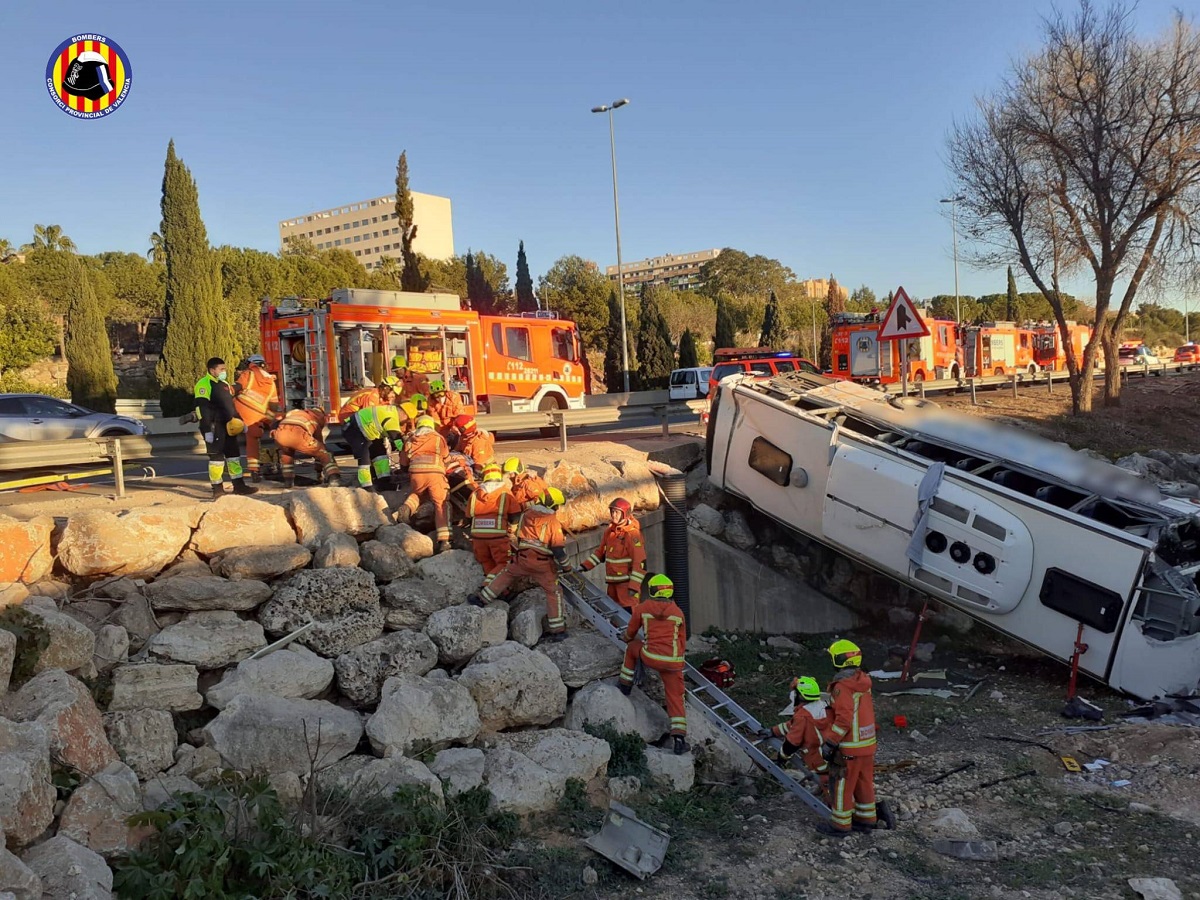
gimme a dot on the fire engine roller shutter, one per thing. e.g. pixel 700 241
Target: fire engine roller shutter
pixel 871 505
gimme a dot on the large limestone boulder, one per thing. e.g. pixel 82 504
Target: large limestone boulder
pixel 362 671
pixel 140 542
pixel 97 811
pixel 17 880
pixel 367 776
pixel 676 773
pixel 112 648
pixel 386 562
pixel 69 870
pixel 716 753
pixel 145 739
pixel 593 477
pixel 8 655
pixel 566 754
pixel 738 531
pixel 494 629
pixel 195 593
pixel 409 602
pixel 257 733
pixel 318 512
pixel 25 549
pixel 201 764
pixel 707 519
pixel 137 618
pixel 457 571
pixel 343 602
pixel 417 713
pixel 416 545
pixel 12 593
pixel 336 551
pixel 457 631
pixel 26 793
pixel 514 686
pixel 67 711
pixel 208 640
pixel 602 703
pixel 72 643
pixel 527 617
pixel 263 562
pixel 169 686
pixel 234 521
pixel 518 784
pixel 161 789
pixel 294 672
pixel 584 656
pixel 459 768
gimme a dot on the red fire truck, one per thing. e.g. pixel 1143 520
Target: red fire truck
pixel 997 348
pixel 1050 353
pixel 859 355
pixel 325 350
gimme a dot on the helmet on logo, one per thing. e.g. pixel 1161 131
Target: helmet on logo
pixel 660 587
pixel 553 498
pixel 623 506
pixel 806 688
pixel 465 423
pixel 492 473
pixel 87 76
pixel 845 653
pixel 426 422
pixel 512 466
pixel 437 386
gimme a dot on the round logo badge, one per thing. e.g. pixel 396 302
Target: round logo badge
pixel 88 76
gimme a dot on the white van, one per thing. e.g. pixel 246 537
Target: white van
pixel 690 384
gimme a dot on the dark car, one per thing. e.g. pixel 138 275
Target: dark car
pixel 36 417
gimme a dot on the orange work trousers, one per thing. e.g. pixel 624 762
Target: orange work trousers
pixel 542 569
pixel 254 435
pixel 853 792
pixel 434 487
pixel 295 441
pixel 619 592
pixel 492 553
pixel 672 679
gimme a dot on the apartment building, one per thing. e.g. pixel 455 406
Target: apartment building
pixel 679 271
pixel 370 230
pixel 819 288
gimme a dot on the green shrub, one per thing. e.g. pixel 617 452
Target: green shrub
pixel 12 383
pixel 32 638
pixel 628 751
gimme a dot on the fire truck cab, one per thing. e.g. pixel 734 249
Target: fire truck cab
pixel 326 350
pixel 998 348
pixel 859 355
pixel 1049 352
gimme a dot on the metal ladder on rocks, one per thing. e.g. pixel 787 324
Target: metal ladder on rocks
pixel 610 619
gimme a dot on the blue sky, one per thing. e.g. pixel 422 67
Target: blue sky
pixel 808 131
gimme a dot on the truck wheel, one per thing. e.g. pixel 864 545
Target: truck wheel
pixel 549 403
pixel 919 376
pixel 999 370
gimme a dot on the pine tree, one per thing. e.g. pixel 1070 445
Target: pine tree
pixel 688 358
pixel 526 301
pixel 411 277
pixel 726 335
pixel 1010 304
pixel 773 334
pixel 614 378
pixel 197 318
pixel 90 376
pixel 656 356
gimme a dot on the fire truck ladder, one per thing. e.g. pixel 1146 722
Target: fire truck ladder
pixel 610 619
pixel 317 362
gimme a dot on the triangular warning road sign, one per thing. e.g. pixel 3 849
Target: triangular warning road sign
pixel 902 320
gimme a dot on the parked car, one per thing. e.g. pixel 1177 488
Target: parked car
pixel 690 384
pixel 1188 353
pixel 35 417
pixel 765 366
pixel 1137 356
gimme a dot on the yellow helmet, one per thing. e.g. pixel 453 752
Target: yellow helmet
pixel 660 587
pixel 399 362
pixel 492 472
pixel 426 422
pixel 437 386
pixel 389 381
pixel 553 498
pixel 513 466
pixel 234 427
pixel 419 401
pixel 845 653
pixel 806 688
pixel 410 409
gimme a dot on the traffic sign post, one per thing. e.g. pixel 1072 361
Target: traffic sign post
pixel 901 323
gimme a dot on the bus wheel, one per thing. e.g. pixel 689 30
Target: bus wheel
pixel 549 403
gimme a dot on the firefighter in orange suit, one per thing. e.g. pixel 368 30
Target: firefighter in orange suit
pixel 665 636
pixel 623 552
pixel 301 433
pixel 849 744
pixel 488 512
pixel 539 555
pixel 805 731
pixel 383 394
pixel 526 487
pixel 410 382
pixel 256 399
pixel 426 455
pixel 474 442
pixel 444 405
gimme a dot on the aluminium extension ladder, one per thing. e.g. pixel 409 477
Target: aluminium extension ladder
pixel 610 619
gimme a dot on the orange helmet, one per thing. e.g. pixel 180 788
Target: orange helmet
pixel 623 505
pixel 465 423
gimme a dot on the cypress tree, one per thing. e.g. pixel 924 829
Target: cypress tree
pixel 198 322
pixel 471 278
pixel 411 277
pixel 834 304
pixel 1010 304
pixel 656 356
pixel 90 376
pixel 772 334
pixel 614 377
pixel 526 301
pixel 726 335
pixel 688 358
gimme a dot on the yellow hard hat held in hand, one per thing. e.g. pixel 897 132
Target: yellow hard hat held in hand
pixel 234 427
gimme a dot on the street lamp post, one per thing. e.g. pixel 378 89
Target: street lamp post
pixel 954 201
pixel 612 144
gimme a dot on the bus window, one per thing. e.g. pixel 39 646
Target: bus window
pixel 497 338
pixel 517 340
pixel 562 344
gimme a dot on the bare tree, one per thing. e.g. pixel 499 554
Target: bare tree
pixel 1088 158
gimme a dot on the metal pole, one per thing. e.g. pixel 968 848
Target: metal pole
pixel 1014 385
pixel 903 367
pixel 954 233
pixel 815 349
pixel 612 144
pixel 118 467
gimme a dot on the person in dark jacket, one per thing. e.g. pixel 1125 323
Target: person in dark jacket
pixel 220 426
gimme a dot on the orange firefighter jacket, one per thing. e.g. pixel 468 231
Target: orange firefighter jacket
pixel 360 400
pixel 807 726
pixel 413 383
pixel 426 453
pixel 257 398
pixel 311 420
pixel 489 513
pixel 623 552
pixel 540 532
pixel 527 488
pixel 480 445
pixel 446 407
pixel 853 726
pixel 666 634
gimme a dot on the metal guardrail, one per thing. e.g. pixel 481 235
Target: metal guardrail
pixel 1018 379
pixel 139 409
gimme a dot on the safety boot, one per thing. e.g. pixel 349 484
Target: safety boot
pixel 289 482
pixel 554 637
pixel 476 600
pixel 681 746
pixel 334 481
pixel 218 491
pixel 624 688
pixel 256 477
pixel 863 826
pixel 443 546
pixel 829 830
pixel 240 487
